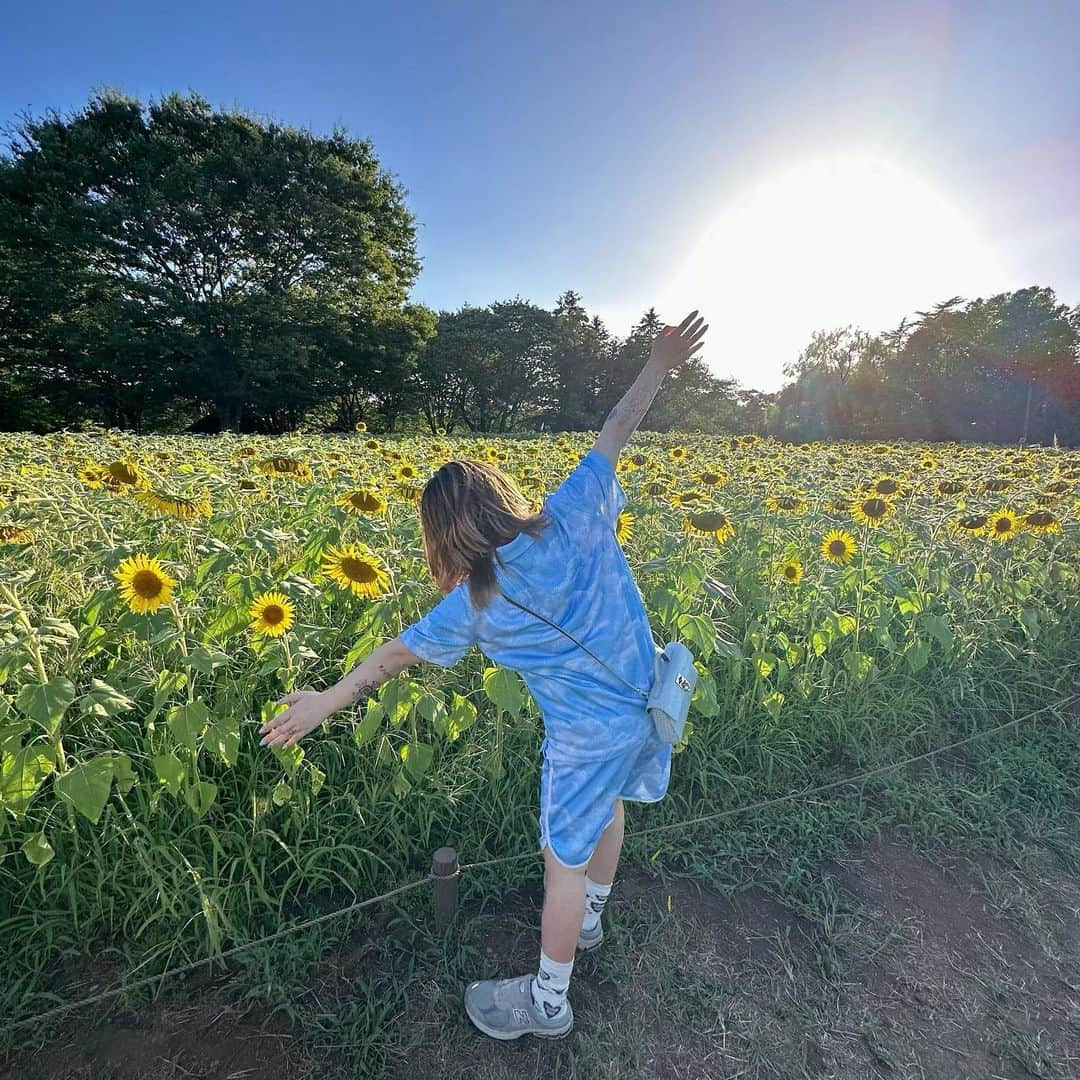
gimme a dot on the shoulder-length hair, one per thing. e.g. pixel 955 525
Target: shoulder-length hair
pixel 467 509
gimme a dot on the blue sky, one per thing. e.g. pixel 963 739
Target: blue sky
pixel 784 167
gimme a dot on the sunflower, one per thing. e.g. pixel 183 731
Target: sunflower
pixel 873 511
pixel 951 487
pixel 887 486
pixel 177 506
pixel 839 506
pixel 685 498
pixel 363 501
pixel 271 614
pixel 997 483
pixel 791 572
pixel 406 473
pixel 1004 525
pixel 121 474
pixel 624 526
pixel 14 534
pixel 360 426
pixel 1041 521
pixel 248 487
pixel 838 546
pixel 371 444
pixel 636 461
pixel 356 567
pixel 285 466
pixel 712 478
pixel 1058 487
pixel 786 504
pixel 677 453
pixel 713 523
pixel 973 525
pixel 144 584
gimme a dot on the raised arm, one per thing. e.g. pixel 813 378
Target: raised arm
pixel 673 347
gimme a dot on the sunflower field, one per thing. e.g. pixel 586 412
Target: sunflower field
pixel 847 605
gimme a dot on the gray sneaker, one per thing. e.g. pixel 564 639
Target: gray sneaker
pixel 590 939
pixel 504 1009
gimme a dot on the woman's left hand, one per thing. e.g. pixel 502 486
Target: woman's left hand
pixel 307 710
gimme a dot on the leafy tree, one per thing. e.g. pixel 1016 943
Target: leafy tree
pixel 174 249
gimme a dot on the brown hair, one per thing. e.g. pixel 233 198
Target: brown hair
pixel 467 509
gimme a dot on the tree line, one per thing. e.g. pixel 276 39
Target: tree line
pixel 172 267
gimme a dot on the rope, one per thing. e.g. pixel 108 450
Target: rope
pixel 506 860
pixel 806 792
pixel 220 956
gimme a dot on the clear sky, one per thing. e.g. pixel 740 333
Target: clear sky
pixel 784 167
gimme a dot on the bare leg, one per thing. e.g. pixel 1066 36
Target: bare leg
pixel 605 859
pixel 564 909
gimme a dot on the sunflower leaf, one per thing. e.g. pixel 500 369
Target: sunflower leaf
pixel 21 774
pixel 86 786
pixel 200 796
pixel 46 703
pixel 188 722
pixel 103 700
pixel 170 771
pixel 461 717
pixel 417 758
pixel 503 687
pixel 37 849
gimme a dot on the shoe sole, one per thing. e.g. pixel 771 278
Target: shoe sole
pixel 508 1036
pixel 584 946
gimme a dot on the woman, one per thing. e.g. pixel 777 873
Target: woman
pixel 483 545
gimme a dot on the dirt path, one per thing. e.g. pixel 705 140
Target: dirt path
pixel 912 966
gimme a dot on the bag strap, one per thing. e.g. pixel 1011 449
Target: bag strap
pixel 576 642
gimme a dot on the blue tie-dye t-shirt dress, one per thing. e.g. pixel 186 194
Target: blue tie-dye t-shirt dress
pixel 600 743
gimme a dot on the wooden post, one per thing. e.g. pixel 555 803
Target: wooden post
pixel 444 873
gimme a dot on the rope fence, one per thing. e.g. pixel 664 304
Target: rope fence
pixel 446 870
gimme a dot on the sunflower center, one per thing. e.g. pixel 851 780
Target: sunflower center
pixel 146 584
pixel 875 508
pixel 1003 525
pixel 838 548
pixel 358 570
pixel 709 521
pixel 791 572
pixel 273 614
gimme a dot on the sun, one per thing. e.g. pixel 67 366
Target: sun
pixel 855 237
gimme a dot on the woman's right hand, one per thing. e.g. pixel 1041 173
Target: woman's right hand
pixel 676 344
pixel 307 710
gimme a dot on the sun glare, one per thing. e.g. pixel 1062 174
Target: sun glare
pixel 843 238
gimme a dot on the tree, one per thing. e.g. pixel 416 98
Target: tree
pixel 177 249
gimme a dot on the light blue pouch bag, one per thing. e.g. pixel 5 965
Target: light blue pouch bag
pixel 673 686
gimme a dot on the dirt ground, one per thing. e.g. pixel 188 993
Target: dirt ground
pixel 917 967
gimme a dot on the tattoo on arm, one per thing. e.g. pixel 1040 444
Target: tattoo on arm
pixel 362 690
pixel 365 687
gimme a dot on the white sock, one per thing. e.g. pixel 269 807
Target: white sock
pixel 550 984
pixel 595 899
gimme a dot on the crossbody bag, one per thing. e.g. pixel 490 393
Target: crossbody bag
pixel 674 678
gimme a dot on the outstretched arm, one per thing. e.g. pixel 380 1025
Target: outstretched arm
pixel 309 708
pixel 672 348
